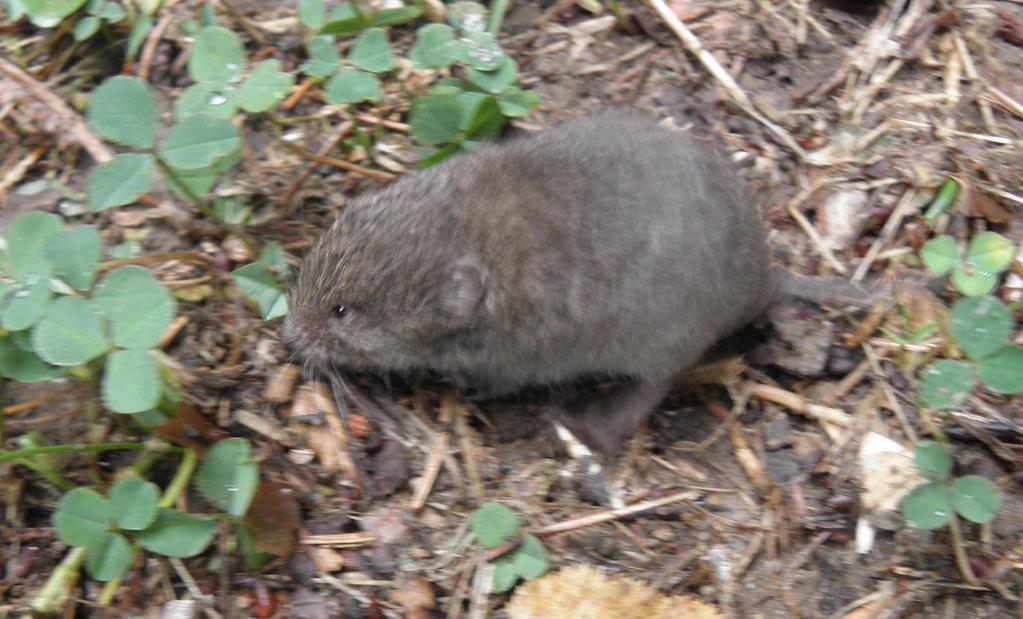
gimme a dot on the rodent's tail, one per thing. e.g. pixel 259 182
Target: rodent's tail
pixel 832 290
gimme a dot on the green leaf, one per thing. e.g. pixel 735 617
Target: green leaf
pixel 480 115
pixel 531 558
pixel 435 119
pixel 981 325
pixel 111 12
pixel 496 80
pixel 69 334
pixel 139 31
pixel 229 477
pixel 975 498
pixel 217 57
pixel 214 100
pixel 86 27
pixel 122 110
pixel 24 366
pixel 493 523
pixel 481 51
pixel 175 534
pixel 120 181
pixel 15 10
pixel 933 461
pixel 109 557
pixel 943 200
pixel 400 15
pixel 131 382
pixel 353 86
pixel 928 506
pixel 49 13
pixel 451 86
pixel 517 103
pixel 148 7
pixel 346 19
pixel 971 281
pixel 468 16
pixel 323 57
pixel 940 254
pixel 260 286
pixel 372 52
pixel 138 306
pixel 74 255
pixel 273 259
pixel 198 141
pixel 946 384
pixel 436 47
pixel 991 252
pixel 26 242
pixel 232 209
pixel 438 155
pixel 125 250
pixel 208 15
pixel 1002 372
pixel 82 517
pixel 134 503
pixel 506 574
pixel 28 304
pixel 312 13
pixel 265 87
pixel 201 180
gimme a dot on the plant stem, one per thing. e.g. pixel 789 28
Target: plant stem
pixel 7 456
pixel 962 561
pixel 497 12
pixel 205 208
pixel 53 596
pixel 106 597
pixel 181 478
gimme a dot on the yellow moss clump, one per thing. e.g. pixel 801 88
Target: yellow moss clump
pixel 584 592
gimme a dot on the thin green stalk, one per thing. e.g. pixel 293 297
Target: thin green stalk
pixel 181 479
pixel 7 456
pixel 497 12
pixel 962 560
pixel 54 595
pixel 205 208
pixel 106 597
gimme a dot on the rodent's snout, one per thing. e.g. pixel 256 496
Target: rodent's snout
pixel 300 330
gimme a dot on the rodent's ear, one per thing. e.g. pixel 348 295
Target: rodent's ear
pixel 465 287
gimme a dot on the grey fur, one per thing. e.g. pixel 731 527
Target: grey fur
pixel 604 246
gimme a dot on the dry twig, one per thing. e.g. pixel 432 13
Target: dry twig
pixel 731 87
pixel 71 119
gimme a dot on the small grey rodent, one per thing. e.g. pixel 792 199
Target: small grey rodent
pixel 607 246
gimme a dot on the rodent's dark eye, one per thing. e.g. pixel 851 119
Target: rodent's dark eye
pixel 339 311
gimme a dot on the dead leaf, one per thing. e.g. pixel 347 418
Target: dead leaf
pixel 327 560
pixel 275 518
pixel 585 592
pixel 194 294
pixel 322 443
pixel 888 473
pixel 386 524
pixel 989 208
pixel 282 384
pixel 129 218
pixel 841 217
pixel 415 595
pixel 189 428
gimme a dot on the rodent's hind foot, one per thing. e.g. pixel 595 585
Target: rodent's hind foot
pixel 604 423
